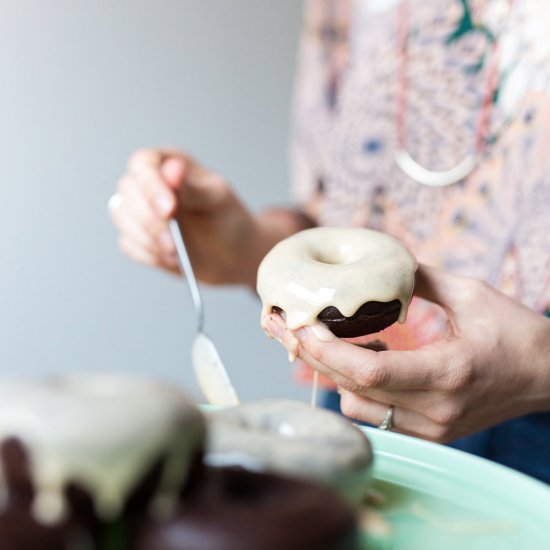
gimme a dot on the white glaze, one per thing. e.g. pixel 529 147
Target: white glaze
pixel 314 388
pixel 101 432
pixel 211 374
pixel 330 266
pixel 292 438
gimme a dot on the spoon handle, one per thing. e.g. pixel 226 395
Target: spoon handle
pixel 187 269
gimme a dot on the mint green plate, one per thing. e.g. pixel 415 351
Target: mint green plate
pixel 436 498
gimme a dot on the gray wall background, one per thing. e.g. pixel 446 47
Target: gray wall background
pixel 83 84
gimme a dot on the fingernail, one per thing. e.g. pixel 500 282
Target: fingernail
pixel 165 239
pixel 164 204
pixel 274 328
pixel 322 332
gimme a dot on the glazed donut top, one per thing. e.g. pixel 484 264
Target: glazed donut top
pixel 333 266
pixel 102 432
pixel 288 437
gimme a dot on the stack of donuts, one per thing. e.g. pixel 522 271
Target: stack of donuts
pixel 93 462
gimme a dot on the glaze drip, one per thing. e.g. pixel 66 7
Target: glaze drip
pixel 100 432
pixel 333 266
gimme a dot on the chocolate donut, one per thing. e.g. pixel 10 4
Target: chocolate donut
pixel 235 509
pixel 79 454
pixel 81 529
pixel 355 281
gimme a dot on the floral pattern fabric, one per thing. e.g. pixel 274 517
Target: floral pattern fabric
pixel 495 224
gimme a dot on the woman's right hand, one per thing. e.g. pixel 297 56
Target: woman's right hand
pixel 219 231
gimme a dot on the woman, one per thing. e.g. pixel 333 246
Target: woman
pixel 429 121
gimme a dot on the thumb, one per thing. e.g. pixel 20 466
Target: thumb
pixel 203 190
pixel 173 171
pixel 437 286
pixel 451 292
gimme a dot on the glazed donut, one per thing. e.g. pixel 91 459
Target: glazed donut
pixel 289 437
pixel 356 281
pixel 235 509
pixel 113 442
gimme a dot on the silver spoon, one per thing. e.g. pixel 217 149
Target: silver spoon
pixel 209 370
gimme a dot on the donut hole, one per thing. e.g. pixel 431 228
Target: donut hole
pixel 322 259
pixel 342 254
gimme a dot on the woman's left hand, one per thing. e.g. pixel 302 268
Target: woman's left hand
pixel 493 364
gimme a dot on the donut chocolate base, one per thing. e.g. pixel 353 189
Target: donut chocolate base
pixel 19 529
pixel 371 317
pixel 227 508
pixel 236 509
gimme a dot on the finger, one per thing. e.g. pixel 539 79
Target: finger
pixel 413 399
pixel 420 401
pixel 441 412
pixel 156 191
pixel 173 171
pixel 332 357
pixel 437 402
pixel 435 285
pixel 437 366
pixel 143 217
pixel 131 226
pixel 373 412
pixel 199 188
pixel 452 292
pixel 202 190
pixel 136 252
pixel 143 159
pixel 391 370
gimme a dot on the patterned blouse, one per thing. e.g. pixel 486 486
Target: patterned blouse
pixel 349 115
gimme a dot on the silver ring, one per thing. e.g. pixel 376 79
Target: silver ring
pixel 114 202
pixel 387 423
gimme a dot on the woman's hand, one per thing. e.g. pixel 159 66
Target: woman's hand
pixel 493 364
pixel 219 231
